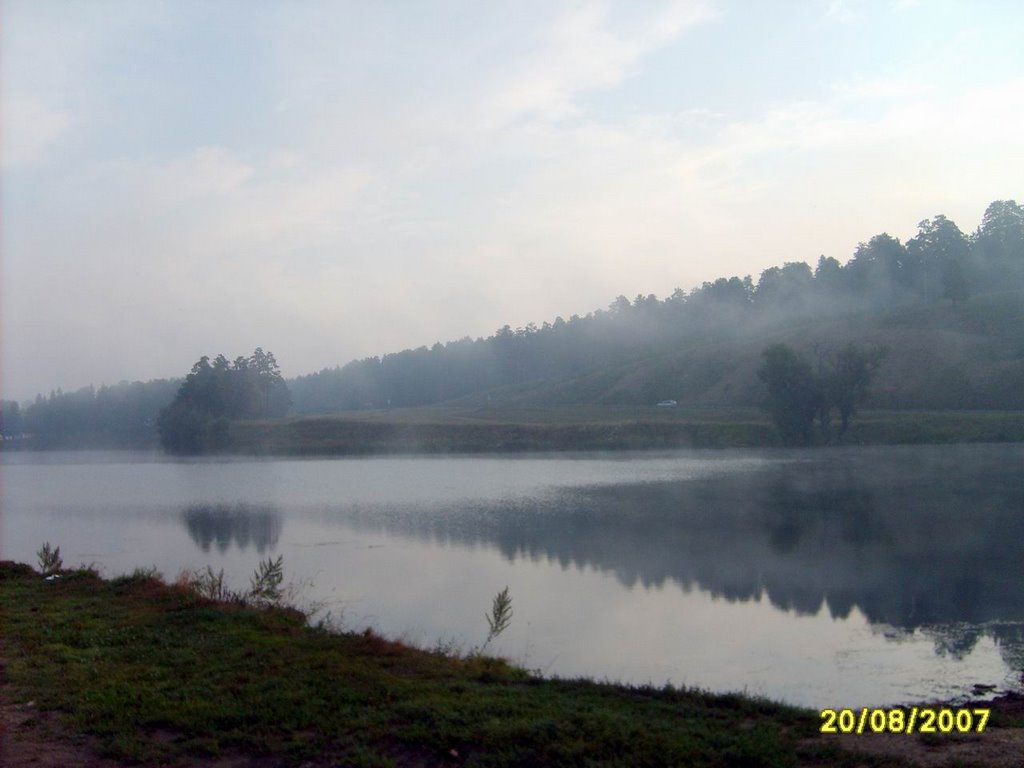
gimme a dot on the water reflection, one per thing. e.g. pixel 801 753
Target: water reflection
pixel 243 525
pixel 915 546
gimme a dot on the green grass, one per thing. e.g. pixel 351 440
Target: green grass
pixel 482 430
pixel 910 428
pixel 156 674
pixel 591 428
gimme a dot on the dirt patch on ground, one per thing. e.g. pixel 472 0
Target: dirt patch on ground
pixel 29 737
pixel 995 748
pixel 32 738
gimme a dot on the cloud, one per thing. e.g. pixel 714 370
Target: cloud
pixel 29 128
pixel 398 196
pixel 580 52
pixel 844 11
pixel 213 170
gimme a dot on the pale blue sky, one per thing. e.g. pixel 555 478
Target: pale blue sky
pixel 331 180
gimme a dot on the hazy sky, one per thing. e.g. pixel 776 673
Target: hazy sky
pixel 332 180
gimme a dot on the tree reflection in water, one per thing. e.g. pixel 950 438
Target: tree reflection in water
pixel 918 541
pixel 243 525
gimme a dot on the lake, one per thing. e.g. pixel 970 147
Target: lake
pixel 840 577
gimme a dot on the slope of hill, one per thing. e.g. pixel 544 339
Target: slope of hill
pixel 940 356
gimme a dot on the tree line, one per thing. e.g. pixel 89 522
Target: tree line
pixel 798 393
pixel 940 263
pixel 214 394
pixel 121 415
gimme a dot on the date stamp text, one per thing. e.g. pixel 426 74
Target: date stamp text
pixel 905 720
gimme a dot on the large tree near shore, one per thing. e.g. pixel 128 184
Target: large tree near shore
pixel 797 393
pixel 793 393
pixel 845 384
pixel 213 394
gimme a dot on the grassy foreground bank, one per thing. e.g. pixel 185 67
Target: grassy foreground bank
pixel 151 673
pixel 591 428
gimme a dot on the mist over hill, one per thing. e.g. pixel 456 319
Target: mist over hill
pixel 948 306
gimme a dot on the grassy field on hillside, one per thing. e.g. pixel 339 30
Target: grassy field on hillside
pixel 940 357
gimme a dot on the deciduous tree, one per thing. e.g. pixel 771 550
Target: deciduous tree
pixel 793 393
pixel 846 382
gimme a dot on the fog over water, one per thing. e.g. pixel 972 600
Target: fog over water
pixel 852 576
pixel 235 229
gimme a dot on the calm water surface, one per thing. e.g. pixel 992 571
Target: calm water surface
pixel 842 577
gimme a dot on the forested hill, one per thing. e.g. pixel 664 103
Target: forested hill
pixel 948 306
pixel 120 416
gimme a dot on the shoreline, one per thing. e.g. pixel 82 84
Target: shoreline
pixel 136 669
pixel 435 431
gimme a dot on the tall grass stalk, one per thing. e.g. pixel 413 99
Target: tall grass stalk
pixel 500 616
pixel 49 559
pixel 265 584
